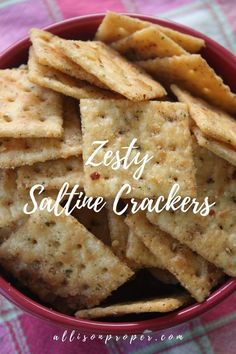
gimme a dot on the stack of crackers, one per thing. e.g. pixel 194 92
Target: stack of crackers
pixel 135 80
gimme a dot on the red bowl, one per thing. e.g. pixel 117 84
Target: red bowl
pixel 224 64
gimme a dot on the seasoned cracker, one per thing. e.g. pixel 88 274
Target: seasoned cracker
pixel 212 236
pixel 48 53
pixel 162 131
pixel 161 305
pixel 53 79
pixel 193 272
pixel 147 43
pixel 225 151
pixel 27 110
pixel 57 251
pixel 52 174
pixel 116 26
pixel 20 152
pixel 137 252
pixel 212 121
pixel 163 275
pixel 194 74
pixel 112 69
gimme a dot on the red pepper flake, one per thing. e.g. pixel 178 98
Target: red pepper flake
pixel 212 212
pixel 95 175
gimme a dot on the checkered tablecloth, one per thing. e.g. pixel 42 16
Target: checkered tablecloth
pixel 213 332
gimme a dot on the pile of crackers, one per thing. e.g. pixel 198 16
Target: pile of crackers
pixel 134 80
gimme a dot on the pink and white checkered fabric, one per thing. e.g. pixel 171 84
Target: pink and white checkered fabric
pixel 215 331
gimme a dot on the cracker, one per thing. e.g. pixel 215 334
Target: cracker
pixel 53 79
pixel 112 69
pixel 192 271
pixel 161 305
pixel 48 53
pixel 116 26
pixel 194 74
pixel 163 275
pixel 96 223
pixel 212 121
pixel 147 43
pixel 51 174
pixel 224 151
pixel 212 236
pixel 162 131
pixel 27 110
pixel 58 250
pixel 137 252
pixel 20 152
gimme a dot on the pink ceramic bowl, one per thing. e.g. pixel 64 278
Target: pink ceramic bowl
pixel 224 63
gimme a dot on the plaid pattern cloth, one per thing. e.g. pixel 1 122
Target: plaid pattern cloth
pixel 213 332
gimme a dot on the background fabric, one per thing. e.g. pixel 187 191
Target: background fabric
pixel 213 332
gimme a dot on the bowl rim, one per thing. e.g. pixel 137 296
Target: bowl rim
pixel 95 327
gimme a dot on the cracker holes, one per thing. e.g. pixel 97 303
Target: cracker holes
pixel 199 273
pixel 42 119
pixel 45 39
pixel 69 168
pixel 42 99
pixel 28 89
pixel 7 118
pixel 11 99
pixel 26 108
